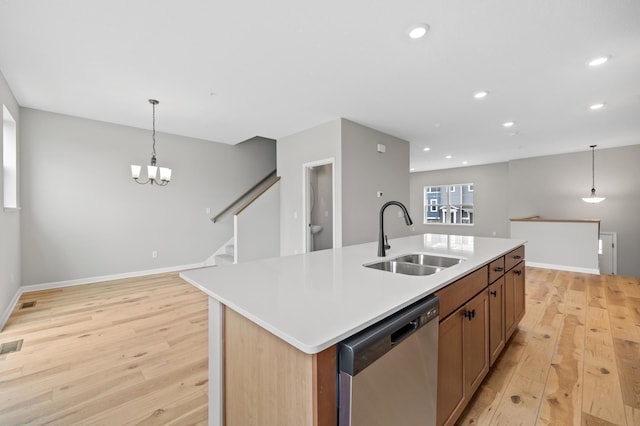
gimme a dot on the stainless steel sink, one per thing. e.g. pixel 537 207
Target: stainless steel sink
pixel 429 260
pixel 415 264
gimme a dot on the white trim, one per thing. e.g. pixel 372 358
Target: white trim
pixel 614 240
pixel 10 307
pixel 306 241
pixel 216 363
pixel 102 278
pixel 564 268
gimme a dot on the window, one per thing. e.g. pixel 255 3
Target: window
pixel 9 159
pixel 449 204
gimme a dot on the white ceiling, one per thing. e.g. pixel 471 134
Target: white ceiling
pixel 228 71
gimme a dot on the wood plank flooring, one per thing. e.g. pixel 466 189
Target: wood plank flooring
pixel 135 352
pixel 124 352
pixel 575 359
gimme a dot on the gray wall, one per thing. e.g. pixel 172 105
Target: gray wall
pixel 490 199
pixel 315 144
pixel 9 219
pixel 366 171
pixel 553 187
pixel 360 171
pixel 83 216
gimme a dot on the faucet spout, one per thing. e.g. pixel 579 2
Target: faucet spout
pixel 383 245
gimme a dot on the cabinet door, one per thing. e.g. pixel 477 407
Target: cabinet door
pixel 514 298
pixel 451 384
pixel 476 341
pixel 496 319
pixel 519 272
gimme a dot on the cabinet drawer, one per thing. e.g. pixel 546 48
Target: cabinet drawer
pixel 496 269
pixel 512 258
pixel 459 292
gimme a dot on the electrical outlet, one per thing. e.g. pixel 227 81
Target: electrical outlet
pixel 207 210
pixel 154 254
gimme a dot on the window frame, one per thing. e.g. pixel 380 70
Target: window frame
pixel 431 205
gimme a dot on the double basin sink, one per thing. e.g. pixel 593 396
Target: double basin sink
pixel 416 264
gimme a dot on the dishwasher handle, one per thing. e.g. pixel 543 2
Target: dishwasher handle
pixel 405 331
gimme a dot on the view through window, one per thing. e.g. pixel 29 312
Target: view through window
pixel 449 204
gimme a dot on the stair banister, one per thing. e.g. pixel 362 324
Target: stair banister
pixel 240 198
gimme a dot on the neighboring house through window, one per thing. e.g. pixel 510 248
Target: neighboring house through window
pixel 449 204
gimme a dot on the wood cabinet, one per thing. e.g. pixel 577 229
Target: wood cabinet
pixel 463 346
pixel 478 314
pixel 497 330
pixel 514 298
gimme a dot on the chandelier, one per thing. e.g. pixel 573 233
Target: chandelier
pixel 152 169
pixel 592 198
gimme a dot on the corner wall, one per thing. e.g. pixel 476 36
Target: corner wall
pixel 490 202
pixel 365 171
pixel 315 144
pixel 83 216
pixel 10 277
pixel 553 186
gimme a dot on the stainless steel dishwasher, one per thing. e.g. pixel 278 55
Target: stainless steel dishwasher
pixel 388 372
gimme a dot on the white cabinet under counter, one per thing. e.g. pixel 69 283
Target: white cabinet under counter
pixel 275 322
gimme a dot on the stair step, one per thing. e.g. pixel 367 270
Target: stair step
pixel 230 249
pixel 223 259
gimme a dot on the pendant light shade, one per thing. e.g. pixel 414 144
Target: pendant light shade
pixel 593 198
pixel 152 169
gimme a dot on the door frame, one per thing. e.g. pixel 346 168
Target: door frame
pixel 306 203
pixel 614 249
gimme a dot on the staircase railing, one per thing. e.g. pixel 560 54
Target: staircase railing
pixel 246 193
pixel 257 195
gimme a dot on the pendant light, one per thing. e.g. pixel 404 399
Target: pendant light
pixel 152 169
pixel 592 198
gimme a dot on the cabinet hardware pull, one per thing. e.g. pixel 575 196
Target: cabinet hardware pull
pixel 494 293
pixel 473 313
pixel 498 269
pixel 518 272
pixel 517 257
pixel 467 315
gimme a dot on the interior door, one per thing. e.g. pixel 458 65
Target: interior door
pixel 607 253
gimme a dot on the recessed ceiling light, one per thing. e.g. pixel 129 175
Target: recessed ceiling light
pixel 513 134
pixel 418 31
pixel 596 106
pixel 480 95
pixel 427 149
pixel 448 157
pixel 412 169
pixel 465 162
pixel 508 124
pixel 598 61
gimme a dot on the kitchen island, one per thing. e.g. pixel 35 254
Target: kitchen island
pixel 285 315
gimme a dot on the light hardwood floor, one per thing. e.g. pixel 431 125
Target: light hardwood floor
pixel 575 359
pixel 116 353
pixel 135 352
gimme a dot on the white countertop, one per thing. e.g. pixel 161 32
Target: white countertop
pixel 315 300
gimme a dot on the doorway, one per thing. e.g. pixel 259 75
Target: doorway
pixel 608 253
pixel 319 205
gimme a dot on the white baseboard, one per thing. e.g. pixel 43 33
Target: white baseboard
pixel 89 280
pixel 564 268
pixel 10 307
pixel 69 283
